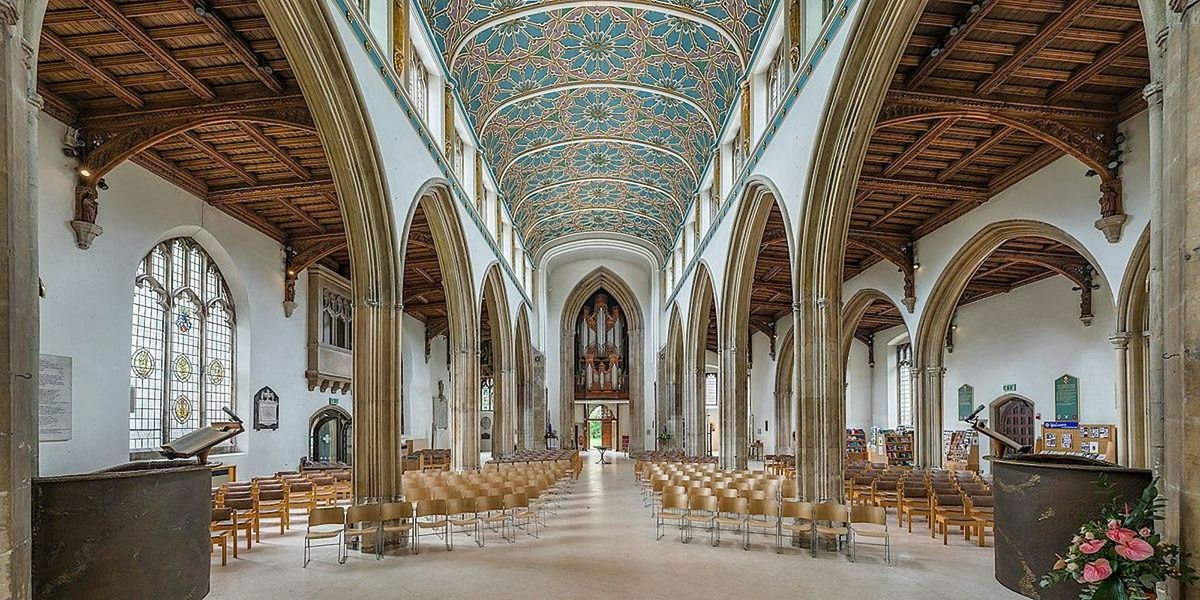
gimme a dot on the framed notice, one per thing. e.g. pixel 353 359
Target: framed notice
pixel 1066 398
pixel 266 409
pixel 966 401
pixel 54 398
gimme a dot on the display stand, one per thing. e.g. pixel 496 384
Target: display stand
pixel 961 450
pixel 898 447
pixel 856 445
pixel 1095 439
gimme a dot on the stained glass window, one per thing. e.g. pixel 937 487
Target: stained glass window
pixel 485 396
pixel 710 389
pixel 181 357
pixel 904 384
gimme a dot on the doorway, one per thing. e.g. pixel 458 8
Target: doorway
pixel 1015 417
pixel 331 436
pixel 601 427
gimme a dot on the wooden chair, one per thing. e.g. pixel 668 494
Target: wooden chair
pixel 796 518
pixel 245 517
pixel 323 524
pixel 431 515
pixel 362 522
pixel 949 510
pixel 301 495
pixel 701 509
pixel 324 491
pixel 221 538
pixel 271 504
pixel 674 507
pixel 397 517
pixel 861 520
pixel 733 512
pixel 914 500
pixel 492 511
pixel 462 513
pixel 829 519
pixel 981 509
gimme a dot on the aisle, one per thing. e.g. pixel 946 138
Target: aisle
pixel 602 544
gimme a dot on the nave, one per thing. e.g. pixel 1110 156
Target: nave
pixel 602 543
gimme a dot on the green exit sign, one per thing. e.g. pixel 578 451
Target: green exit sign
pixel 1012 387
pixel 333 401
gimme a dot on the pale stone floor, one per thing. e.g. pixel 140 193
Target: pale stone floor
pixel 601 545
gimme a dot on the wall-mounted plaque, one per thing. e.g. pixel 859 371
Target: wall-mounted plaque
pixel 1066 398
pixel 966 401
pixel 54 398
pixel 266 409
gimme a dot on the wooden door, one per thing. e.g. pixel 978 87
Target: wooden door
pixel 607 433
pixel 1017 421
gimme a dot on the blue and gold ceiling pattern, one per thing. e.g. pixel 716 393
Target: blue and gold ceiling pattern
pixel 597 116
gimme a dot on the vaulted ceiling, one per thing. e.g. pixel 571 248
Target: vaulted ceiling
pixel 597 116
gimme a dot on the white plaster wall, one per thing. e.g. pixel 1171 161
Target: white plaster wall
pixel 89 304
pixel 419 379
pixel 562 277
pixel 761 391
pixel 860 383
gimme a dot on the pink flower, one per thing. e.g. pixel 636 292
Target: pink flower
pixel 1092 546
pixel 1145 532
pixel 1119 534
pixel 1097 571
pixel 1113 524
pixel 1135 549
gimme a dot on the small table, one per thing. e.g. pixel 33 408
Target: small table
pixel 602 450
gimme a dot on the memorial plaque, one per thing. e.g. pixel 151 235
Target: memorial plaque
pixel 966 401
pixel 266 409
pixel 54 398
pixel 1066 398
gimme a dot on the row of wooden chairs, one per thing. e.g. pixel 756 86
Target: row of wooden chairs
pixel 944 500
pixel 798 519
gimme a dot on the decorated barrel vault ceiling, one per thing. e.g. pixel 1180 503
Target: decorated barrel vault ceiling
pixel 597 116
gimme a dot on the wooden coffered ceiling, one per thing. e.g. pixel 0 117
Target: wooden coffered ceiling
pixel 986 93
pixel 424 295
pixel 200 93
pixel 771 291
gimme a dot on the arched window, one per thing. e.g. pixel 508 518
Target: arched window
pixel 181 367
pixel 331 436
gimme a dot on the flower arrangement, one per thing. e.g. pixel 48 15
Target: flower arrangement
pixel 664 435
pixel 1119 556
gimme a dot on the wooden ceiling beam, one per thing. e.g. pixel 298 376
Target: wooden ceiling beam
pixel 1133 40
pixel 240 195
pixel 1030 48
pixel 957 209
pixel 895 209
pixel 235 42
pixel 953 39
pixel 253 132
pixel 168 170
pixel 226 106
pixel 84 65
pixel 901 102
pixel 916 148
pixel 138 36
pixel 252 219
pixel 926 188
pixel 300 214
pixel 1032 163
pixel 982 148
pixel 208 150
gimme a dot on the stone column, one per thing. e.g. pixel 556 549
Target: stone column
pixel 731 379
pixel 566 389
pixel 927 414
pixel 537 400
pixel 819 406
pixel 464 407
pixel 1120 342
pixel 18 296
pixel 378 460
pixel 637 393
pixel 661 399
pixel 1180 317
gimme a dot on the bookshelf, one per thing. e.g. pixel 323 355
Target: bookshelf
pixel 961 449
pixel 898 447
pixel 856 444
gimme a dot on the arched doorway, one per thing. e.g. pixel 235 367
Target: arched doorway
pixel 757 297
pixel 331 437
pixel 1014 416
pixel 603 379
pixel 700 350
pixel 670 411
pixel 875 344
pixel 603 426
pixel 1132 344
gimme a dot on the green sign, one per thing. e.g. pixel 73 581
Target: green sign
pixel 1011 387
pixel 966 401
pixel 333 401
pixel 1066 398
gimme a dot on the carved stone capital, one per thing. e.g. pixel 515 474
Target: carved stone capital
pixel 1120 340
pixel 1153 93
pixel 9 12
pixel 910 303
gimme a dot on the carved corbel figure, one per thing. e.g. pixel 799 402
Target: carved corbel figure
pixel 1112 217
pixel 87 210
